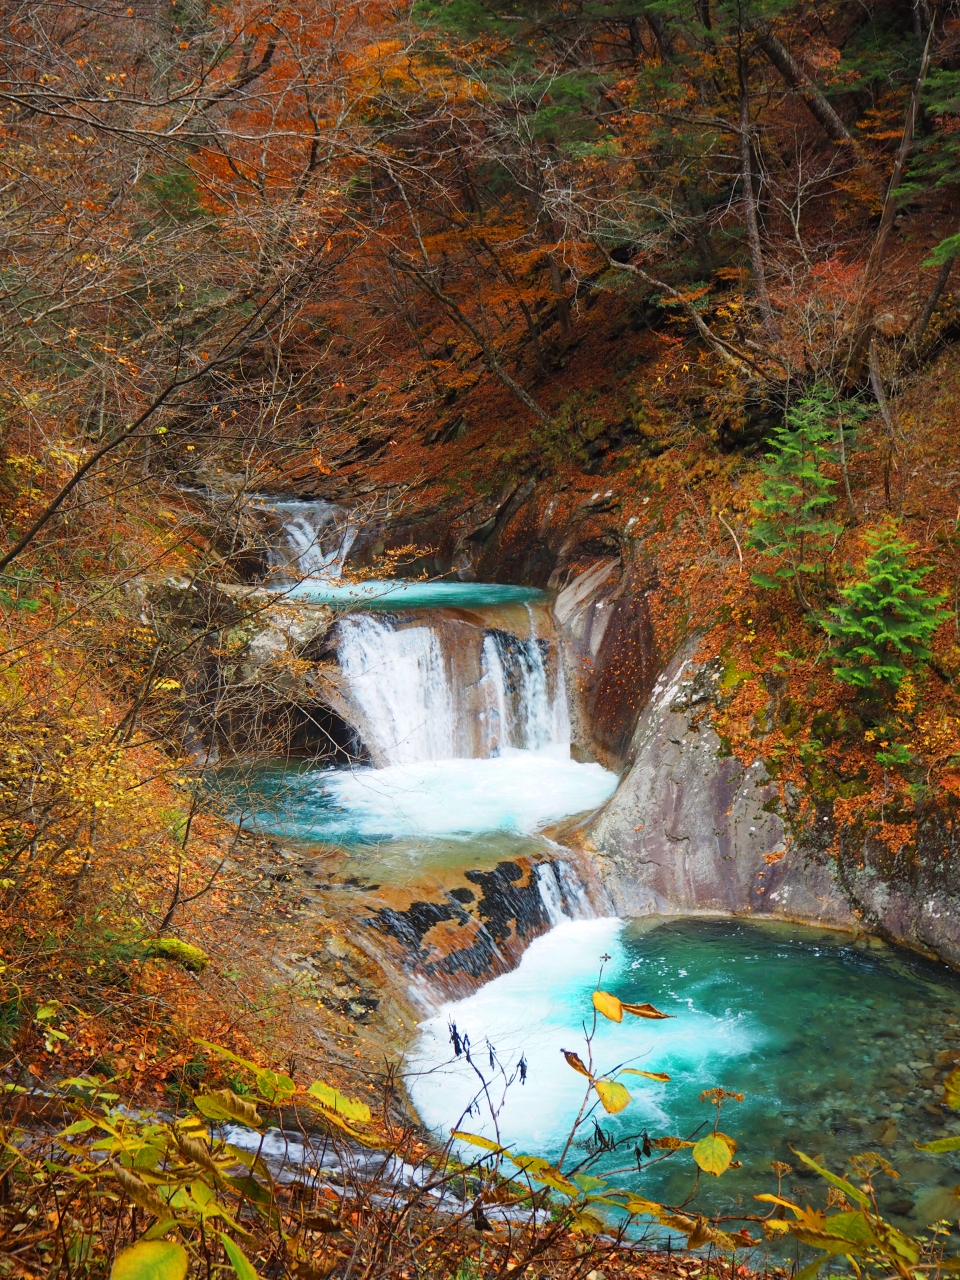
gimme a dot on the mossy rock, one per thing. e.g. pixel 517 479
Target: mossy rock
pixel 183 953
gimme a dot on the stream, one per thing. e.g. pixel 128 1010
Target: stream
pixel 456 693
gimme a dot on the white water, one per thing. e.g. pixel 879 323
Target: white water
pixel 318 535
pixel 562 892
pixel 537 1010
pixel 400 678
pixel 517 791
pixel 521 711
pixel 417 704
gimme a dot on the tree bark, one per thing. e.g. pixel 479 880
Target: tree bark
pixel 563 302
pixel 863 331
pixel 661 35
pixel 943 275
pixel 784 61
pixel 750 209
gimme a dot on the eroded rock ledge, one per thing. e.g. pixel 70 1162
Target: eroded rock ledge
pixel 691 830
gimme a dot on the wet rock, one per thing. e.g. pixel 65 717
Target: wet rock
pixel 691 829
pixel 935 1204
pixel 610 657
pixel 472 933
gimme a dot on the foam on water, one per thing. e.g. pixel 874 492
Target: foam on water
pixel 517 791
pixel 804 1024
pixel 536 1011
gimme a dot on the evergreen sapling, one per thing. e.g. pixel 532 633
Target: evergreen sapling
pixel 885 618
pixel 791 525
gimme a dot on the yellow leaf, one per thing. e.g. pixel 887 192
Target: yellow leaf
pixel 587 1223
pixel 784 1204
pixel 713 1154
pixel 475 1140
pixel 543 1171
pixel 333 1100
pixel 613 1095
pixel 951 1089
pixel 650 1075
pixel 608 1005
pixel 637 1204
pixel 223 1104
pixel 151 1260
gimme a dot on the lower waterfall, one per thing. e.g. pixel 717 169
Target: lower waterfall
pixel 563 892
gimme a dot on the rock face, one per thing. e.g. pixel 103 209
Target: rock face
pixel 461 931
pixel 691 830
pixel 609 655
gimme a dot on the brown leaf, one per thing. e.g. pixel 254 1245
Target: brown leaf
pixel 321 1222
pixel 574 1060
pixel 699 1236
pixel 645 1011
pixel 139 1192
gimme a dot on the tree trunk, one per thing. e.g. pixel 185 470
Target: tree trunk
pixel 943 275
pixel 750 208
pixel 563 302
pixel 661 35
pixel 784 61
pixel 863 330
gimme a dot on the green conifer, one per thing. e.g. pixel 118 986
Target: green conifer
pixel 884 618
pixel 791 525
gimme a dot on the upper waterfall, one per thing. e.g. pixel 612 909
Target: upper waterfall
pixel 315 537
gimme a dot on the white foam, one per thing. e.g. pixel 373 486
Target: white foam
pixel 537 1010
pixel 516 791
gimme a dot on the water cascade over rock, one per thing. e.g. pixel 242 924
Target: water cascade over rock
pixel 455 696
pixel 430 686
pixel 314 538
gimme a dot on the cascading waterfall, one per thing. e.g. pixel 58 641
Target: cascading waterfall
pixel 412 686
pixel 562 892
pixel 399 677
pixel 460 702
pixel 318 537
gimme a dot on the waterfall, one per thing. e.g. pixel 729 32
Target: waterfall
pixel 550 895
pixel 528 713
pixel 436 688
pixel 399 678
pixel 562 892
pixel 318 537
